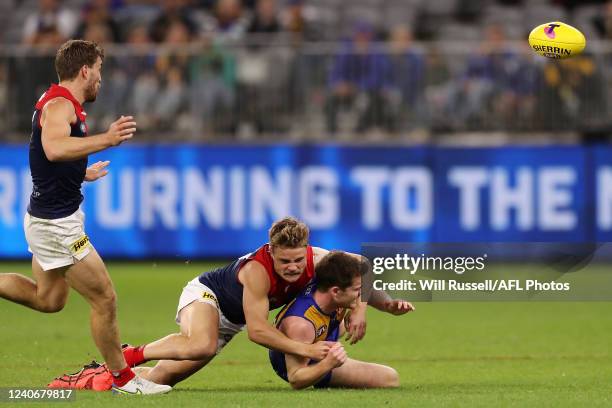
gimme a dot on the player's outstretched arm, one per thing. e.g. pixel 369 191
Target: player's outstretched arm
pixel 299 373
pixel 382 301
pixel 256 307
pixel 59 146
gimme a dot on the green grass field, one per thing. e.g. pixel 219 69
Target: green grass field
pixel 447 354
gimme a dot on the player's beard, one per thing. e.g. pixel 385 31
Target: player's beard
pixel 91 92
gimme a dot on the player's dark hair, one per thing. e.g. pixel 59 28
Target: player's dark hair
pixel 73 55
pixel 338 269
pixel 288 232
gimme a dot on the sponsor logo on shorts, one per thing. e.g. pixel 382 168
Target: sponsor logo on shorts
pixel 80 244
pixel 210 296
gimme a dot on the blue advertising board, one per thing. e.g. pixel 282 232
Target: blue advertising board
pixel 601 207
pixel 201 201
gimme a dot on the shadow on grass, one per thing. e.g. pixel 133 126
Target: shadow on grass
pixel 284 390
pixel 446 387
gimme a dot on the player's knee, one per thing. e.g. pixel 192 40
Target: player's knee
pixel 199 350
pixel 106 300
pixel 51 305
pixel 390 379
pixel 206 351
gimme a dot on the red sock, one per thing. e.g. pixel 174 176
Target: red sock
pixel 134 355
pixel 139 355
pixel 121 377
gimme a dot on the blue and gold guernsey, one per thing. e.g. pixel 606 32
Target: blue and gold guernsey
pixel 326 327
pixel 56 190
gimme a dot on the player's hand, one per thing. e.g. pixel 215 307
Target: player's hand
pixel 398 307
pixel 355 324
pixel 96 171
pixel 121 130
pixel 336 356
pixel 319 350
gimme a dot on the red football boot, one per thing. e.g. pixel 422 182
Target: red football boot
pixel 93 376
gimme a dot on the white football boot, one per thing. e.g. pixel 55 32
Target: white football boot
pixel 138 385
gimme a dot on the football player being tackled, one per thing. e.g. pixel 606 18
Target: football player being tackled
pixel 317 314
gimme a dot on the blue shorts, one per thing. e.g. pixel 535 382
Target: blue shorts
pixel 277 359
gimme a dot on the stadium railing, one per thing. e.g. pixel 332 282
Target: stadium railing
pixel 262 91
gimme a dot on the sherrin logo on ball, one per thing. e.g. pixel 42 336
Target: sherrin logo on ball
pixel 557 40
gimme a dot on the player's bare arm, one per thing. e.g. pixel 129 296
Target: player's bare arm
pixel 256 308
pixel 56 118
pixel 299 373
pixel 382 301
pixel 319 253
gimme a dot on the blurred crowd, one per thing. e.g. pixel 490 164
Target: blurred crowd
pixel 249 69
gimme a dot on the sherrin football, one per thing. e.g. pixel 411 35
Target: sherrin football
pixel 557 40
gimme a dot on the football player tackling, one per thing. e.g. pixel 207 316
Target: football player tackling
pixel 217 305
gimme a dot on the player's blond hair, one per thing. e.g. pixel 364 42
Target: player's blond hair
pixel 288 232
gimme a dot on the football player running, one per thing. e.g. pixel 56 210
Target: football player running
pixel 63 256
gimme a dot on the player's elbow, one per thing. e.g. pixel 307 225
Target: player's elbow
pixel 53 154
pixel 296 383
pixel 255 333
